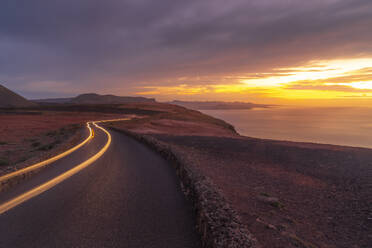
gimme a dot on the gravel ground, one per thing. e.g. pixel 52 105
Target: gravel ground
pixel 288 194
pixel 30 137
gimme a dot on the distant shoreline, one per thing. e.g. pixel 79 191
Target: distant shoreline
pixel 216 105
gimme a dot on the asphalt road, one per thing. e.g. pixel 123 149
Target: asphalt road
pixel 129 197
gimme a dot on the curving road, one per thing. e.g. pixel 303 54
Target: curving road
pixel 129 197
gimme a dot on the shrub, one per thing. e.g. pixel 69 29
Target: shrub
pixel 51 133
pixel 46 147
pixel 35 144
pixel 4 162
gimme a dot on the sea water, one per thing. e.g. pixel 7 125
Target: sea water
pixel 350 126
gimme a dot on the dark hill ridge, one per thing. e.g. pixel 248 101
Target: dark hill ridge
pixel 92 98
pixel 108 99
pixel 52 100
pixel 10 99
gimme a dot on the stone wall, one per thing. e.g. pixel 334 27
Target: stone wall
pixel 217 223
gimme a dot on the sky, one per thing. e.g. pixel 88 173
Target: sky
pixel 316 52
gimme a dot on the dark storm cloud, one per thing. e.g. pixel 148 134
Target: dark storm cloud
pixel 89 45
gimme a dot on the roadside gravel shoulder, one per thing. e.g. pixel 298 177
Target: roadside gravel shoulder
pixel 217 222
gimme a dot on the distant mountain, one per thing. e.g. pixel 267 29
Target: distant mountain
pixel 219 105
pixel 108 99
pixel 53 100
pixel 93 98
pixel 10 99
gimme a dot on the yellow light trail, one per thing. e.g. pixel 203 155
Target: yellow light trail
pixel 48 161
pixel 48 185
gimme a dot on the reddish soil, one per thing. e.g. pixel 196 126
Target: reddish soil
pixel 288 194
pixel 27 133
pixel 17 127
pixel 30 134
pixel 178 120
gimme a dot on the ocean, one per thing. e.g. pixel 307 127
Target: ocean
pixel 349 126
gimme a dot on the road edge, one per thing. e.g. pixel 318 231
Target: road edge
pixel 4 207
pixel 217 222
pixel 74 141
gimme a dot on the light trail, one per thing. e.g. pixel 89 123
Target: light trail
pixel 48 161
pixel 44 187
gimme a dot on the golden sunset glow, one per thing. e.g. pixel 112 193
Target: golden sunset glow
pixel 322 79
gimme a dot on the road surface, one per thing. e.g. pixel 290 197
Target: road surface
pixel 129 197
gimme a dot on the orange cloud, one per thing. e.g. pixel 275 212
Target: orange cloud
pixel 332 79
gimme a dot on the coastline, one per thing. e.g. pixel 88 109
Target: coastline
pixel 343 126
pixel 282 192
pixel 250 192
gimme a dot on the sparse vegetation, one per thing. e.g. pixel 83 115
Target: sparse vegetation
pixel 25 134
pixel 4 162
pixel 22 159
pixel 298 242
pixel 46 147
pixel 35 144
pixel 265 194
pixel 177 120
pixel 51 133
pixel 280 169
pixel 277 204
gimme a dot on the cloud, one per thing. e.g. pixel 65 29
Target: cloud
pixel 100 45
pixel 325 87
pixel 353 81
pixel 364 74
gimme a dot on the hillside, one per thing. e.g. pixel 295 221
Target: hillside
pixel 287 194
pixel 93 98
pixel 10 99
pixel 52 100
